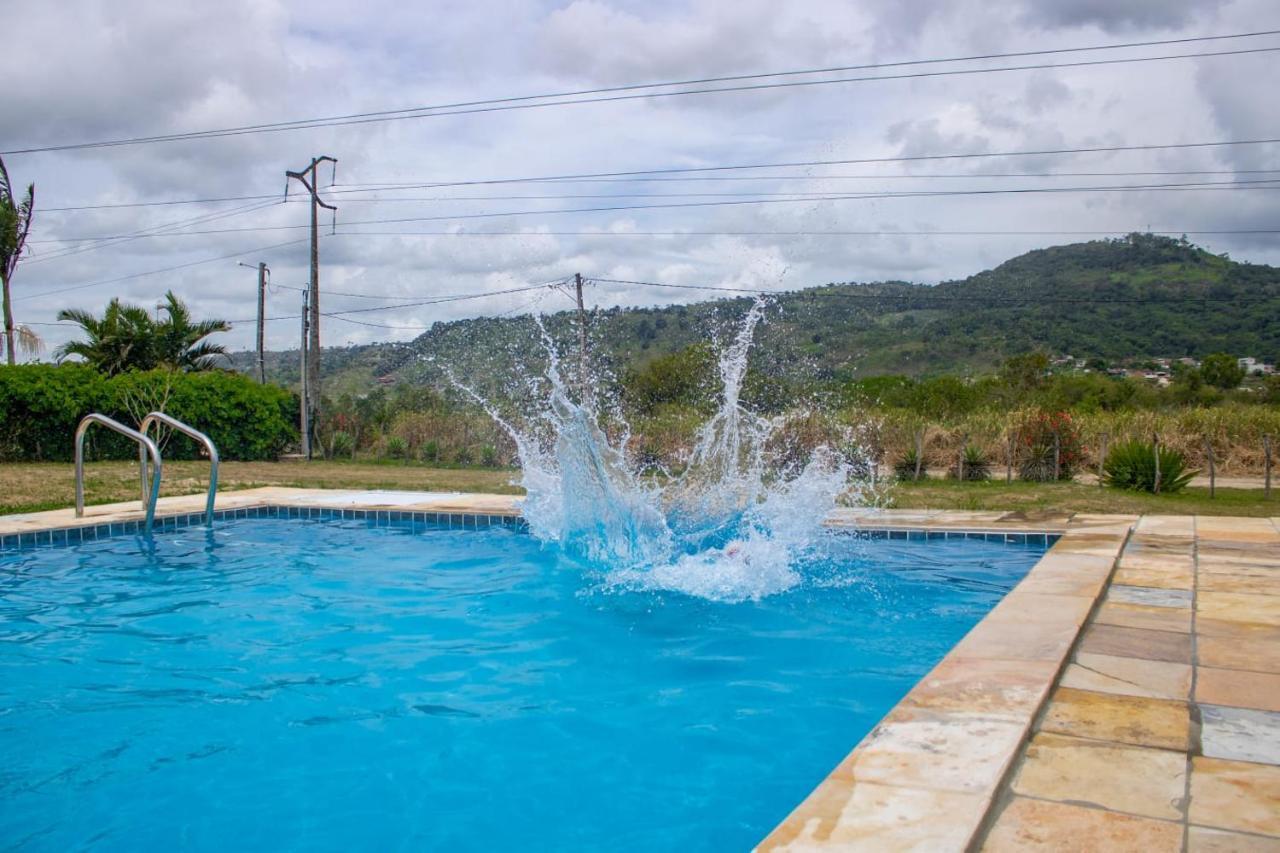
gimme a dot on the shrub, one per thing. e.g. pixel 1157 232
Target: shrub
pixel 463 455
pixel 905 466
pixel 431 451
pixel 977 466
pixel 489 456
pixel 397 448
pixel 341 444
pixel 41 404
pixel 1132 465
pixel 1038 432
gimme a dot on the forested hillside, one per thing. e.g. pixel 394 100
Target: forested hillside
pixel 1138 296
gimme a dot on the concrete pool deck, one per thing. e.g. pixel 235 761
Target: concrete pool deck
pixel 1124 695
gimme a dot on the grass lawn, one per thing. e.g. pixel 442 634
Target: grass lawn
pixel 35 486
pixel 30 487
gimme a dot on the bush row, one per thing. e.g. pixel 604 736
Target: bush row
pixel 41 405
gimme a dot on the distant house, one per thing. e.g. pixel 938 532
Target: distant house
pixel 1253 367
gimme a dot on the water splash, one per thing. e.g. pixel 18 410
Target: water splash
pixel 731 526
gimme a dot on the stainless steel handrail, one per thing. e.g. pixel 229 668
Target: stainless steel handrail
pixel 192 432
pixel 145 446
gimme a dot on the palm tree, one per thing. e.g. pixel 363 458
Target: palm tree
pixel 126 338
pixel 182 343
pixel 15 222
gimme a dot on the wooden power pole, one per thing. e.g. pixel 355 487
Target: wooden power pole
pixel 306 402
pixel 582 336
pixel 307 177
pixel 263 274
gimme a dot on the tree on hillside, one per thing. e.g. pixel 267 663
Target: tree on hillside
pixel 126 338
pixel 1025 373
pixel 1222 371
pixel 15 222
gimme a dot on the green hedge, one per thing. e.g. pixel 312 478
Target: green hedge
pixel 41 404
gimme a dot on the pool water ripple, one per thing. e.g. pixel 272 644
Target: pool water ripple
pixel 327 685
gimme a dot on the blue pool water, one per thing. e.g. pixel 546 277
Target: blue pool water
pixel 282 684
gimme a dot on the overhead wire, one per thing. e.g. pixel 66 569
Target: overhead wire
pixel 1196 186
pixel 173 268
pixel 383 186
pixel 632 92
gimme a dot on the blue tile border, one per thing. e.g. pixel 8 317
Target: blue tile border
pixel 64 536
pixel 921 534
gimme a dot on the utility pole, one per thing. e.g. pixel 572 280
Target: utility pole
pixel 582 336
pixel 307 177
pixel 263 274
pixel 306 404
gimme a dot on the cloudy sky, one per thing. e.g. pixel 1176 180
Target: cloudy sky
pixel 91 71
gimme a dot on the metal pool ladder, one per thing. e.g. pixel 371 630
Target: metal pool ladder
pixel 191 432
pixel 145 447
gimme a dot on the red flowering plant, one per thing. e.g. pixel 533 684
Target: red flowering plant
pixel 1042 434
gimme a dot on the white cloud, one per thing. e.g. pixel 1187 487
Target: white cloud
pixel 95 69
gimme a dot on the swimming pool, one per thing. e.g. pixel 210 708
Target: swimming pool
pixel 326 684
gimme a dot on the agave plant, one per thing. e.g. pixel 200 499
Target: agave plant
pixel 905 466
pixel 977 466
pixel 1132 465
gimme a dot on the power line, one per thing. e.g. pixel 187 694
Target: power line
pixel 632 92
pixel 158 271
pixel 418 300
pixel 881 233
pixel 845 197
pixel 796 164
pixel 1198 186
pixel 162 230
pixel 116 205
pixel 434 300
pixel 388 186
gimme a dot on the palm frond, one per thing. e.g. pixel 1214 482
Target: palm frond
pixel 27 340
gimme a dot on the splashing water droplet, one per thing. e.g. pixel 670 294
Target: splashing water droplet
pixel 731 526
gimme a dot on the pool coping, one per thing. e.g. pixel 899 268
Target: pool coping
pixel 929 772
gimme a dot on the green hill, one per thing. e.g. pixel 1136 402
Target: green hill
pixel 1140 296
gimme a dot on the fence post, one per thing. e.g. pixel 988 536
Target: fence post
pixel 1266 455
pixel 964 441
pixel 1008 459
pixel 1057 456
pixel 1155 451
pixel 1208 455
pixel 1102 456
pixel 919 452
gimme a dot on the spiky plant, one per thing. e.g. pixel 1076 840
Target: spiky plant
pixel 904 468
pixel 977 466
pixel 1132 465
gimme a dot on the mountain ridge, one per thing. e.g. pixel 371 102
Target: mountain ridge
pixel 1137 296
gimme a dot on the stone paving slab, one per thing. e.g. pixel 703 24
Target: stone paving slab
pixel 951 742
pixel 1150 660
